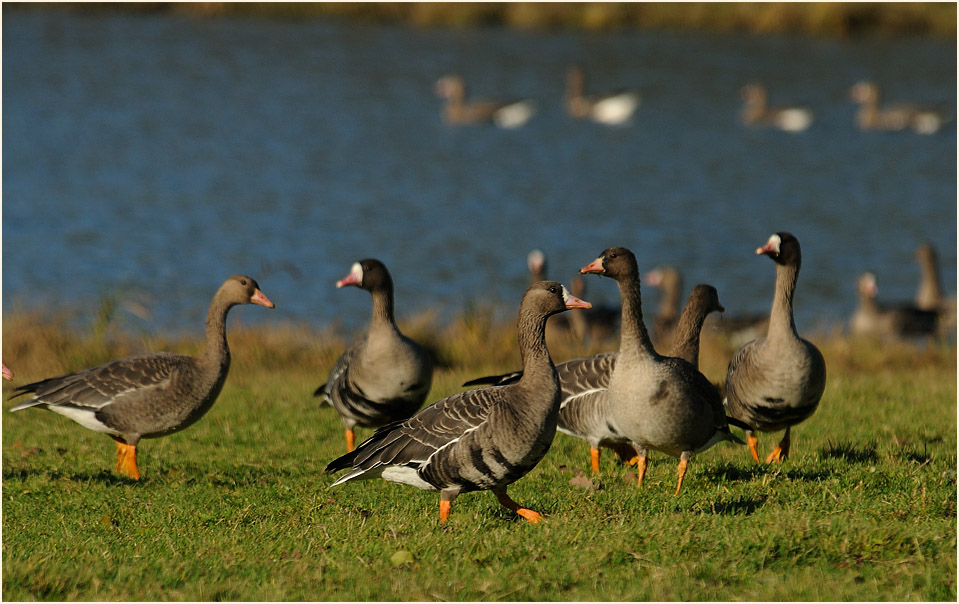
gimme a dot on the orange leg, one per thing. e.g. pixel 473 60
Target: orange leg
pixel 526 513
pixel 682 474
pixel 127 460
pixel 781 452
pixel 350 440
pixel 444 510
pixel 752 441
pixel 641 468
pixel 594 458
pixel 626 453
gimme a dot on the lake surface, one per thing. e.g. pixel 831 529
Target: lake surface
pixel 146 158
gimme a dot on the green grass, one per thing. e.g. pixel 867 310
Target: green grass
pixel 237 507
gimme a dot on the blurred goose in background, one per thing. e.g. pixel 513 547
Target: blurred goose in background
pixel 383 377
pixel 871 319
pixel 923 120
pixel 612 109
pixel 929 293
pixel 152 395
pixel 670 285
pixel 458 111
pixel 756 111
pixel 704 299
pixel 483 439
pixel 776 381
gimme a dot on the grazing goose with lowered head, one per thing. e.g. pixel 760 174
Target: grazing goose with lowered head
pixel 894 322
pixel 457 111
pixel 612 109
pixel 923 120
pixel 148 396
pixel 478 440
pixel 660 403
pixel 776 381
pixel 757 112
pixel 383 377
pixel 929 293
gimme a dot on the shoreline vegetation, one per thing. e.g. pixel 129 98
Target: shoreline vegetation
pixel 830 19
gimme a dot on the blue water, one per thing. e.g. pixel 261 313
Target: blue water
pixel 146 158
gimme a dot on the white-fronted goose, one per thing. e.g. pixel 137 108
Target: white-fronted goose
pixel 483 439
pixel 923 120
pixel 536 263
pixel 148 396
pixel 458 111
pixel 757 112
pixel 775 382
pixel 929 294
pixel 670 285
pixel 385 376
pixel 612 109
pixel 660 403
pixel 703 300
pixel 892 322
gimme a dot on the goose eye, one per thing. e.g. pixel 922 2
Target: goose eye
pixel 242 281
pixel 552 289
pixel 613 255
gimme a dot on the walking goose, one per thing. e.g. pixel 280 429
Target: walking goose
pixel 148 396
pixel 776 381
pixel 757 112
pixel 457 111
pixel 483 439
pixel 383 377
pixel 660 403
pixel 612 109
pixel 923 120
pixel 893 322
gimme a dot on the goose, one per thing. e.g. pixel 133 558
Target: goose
pixel 483 439
pixel 923 120
pixel 613 109
pixel 670 284
pixel 756 111
pixel 776 381
pixel 929 293
pixel 457 111
pixel 383 377
pixel 587 407
pixel 704 299
pixel 659 403
pixel 152 395
pixel 895 322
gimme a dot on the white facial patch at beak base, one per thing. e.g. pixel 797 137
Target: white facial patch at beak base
pixel 772 246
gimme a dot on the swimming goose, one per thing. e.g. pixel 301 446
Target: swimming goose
pixel 457 111
pixel 483 439
pixel 923 120
pixel 757 112
pixel 148 396
pixel 612 109
pixel 383 377
pixel 894 322
pixel 776 381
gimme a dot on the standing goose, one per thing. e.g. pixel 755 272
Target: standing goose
pixel 148 396
pixel 776 381
pixel 614 109
pixel 384 377
pixel 458 111
pixel 482 439
pixel 657 402
pixel 757 112
pixel 929 293
pixel 893 322
pixel 584 408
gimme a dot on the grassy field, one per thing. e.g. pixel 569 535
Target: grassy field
pixel 808 18
pixel 237 507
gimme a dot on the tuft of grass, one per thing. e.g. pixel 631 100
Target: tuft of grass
pixel 237 506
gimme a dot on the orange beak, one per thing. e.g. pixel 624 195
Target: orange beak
pixel 596 266
pixel 260 298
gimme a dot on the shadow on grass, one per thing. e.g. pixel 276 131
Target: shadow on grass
pixel 102 476
pixel 849 452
